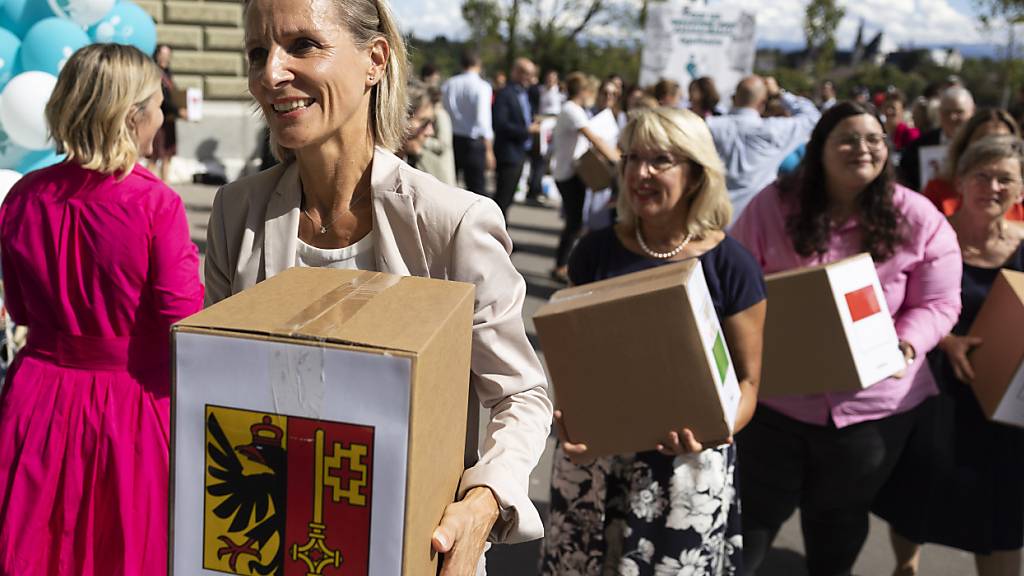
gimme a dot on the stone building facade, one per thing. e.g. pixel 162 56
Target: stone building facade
pixel 207 41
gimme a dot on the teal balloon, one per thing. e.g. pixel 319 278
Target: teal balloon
pixel 38 160
pixel 9 46
pixel 126 23
pixel 18 16
pixel 49 44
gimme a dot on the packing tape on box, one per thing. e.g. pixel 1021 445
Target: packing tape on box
pixel 343 303
pixel 297 377
pixel 297 380
pixel 570 297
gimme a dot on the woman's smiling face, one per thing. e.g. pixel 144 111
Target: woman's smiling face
pixel 312 82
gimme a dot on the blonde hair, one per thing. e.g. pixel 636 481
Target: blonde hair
pixel 366 21
pixel 99 89
pixel 685 135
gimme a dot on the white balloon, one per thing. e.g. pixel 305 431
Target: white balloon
pixel 7 180
pixel 82 12
pixel 23 109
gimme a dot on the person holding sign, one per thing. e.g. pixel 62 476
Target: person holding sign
pixel 960 481
pixel 677 501
pixel 829 454
pixel 941 190
pixel 330 78
pixel 98 264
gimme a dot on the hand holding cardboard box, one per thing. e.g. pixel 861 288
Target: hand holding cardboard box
pixel 828 330
pixel 636 357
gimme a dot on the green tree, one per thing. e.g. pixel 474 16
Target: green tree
pixel 553 33
pixel 820 23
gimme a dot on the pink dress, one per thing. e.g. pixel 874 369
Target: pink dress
pixel 98 270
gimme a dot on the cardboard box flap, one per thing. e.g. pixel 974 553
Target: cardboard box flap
pixel 821 267
pixel 644 281
pixel 999 357
pixel 339 306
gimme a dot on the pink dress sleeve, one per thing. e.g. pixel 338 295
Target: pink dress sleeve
pixel 174 264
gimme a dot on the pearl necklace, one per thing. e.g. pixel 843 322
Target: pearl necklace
pixel 660 255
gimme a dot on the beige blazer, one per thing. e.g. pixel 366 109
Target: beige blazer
pixel 422 228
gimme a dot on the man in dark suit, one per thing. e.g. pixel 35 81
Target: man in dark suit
pixel 955 108
pixel 513 131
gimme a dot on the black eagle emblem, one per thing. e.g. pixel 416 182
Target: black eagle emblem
pixel 247 497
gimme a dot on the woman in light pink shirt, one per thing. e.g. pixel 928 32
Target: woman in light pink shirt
pixel 830 453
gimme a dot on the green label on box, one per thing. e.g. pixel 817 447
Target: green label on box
pixel 721 357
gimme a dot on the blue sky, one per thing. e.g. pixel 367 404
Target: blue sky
pixel 918 22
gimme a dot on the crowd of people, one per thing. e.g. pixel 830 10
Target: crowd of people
pixel 98 264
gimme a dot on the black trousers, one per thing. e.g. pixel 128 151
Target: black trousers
pixel 574 194
pixel 832 474
pixel 471 162
pixel 506 178
pixel 538 166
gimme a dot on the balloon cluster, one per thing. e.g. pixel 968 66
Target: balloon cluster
pixel 36 38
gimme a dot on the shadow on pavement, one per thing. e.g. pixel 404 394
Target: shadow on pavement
pixel 534 249
pixel 536 229
pixel 783 562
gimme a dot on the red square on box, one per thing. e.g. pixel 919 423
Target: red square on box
pixel 862 303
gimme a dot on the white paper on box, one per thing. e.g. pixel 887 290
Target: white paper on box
pixel 866 320
pixel 193 104
pixel 715 348
pixel 317 386
pixel 1011 407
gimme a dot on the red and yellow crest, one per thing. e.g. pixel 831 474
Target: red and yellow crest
pixel 286 496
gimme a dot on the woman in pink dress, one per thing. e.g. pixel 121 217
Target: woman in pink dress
pixel 98 264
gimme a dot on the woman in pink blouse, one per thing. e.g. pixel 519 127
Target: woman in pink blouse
pixel 830 453
pixel 98 264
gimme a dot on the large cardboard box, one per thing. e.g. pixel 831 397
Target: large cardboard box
pixel 828 330
pixel 999 362
pixel 319 421
pixel 596 172
pixel 633 357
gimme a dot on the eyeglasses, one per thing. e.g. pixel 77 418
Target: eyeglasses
pixel 656 164
pixel 1002 180
pixel 851 141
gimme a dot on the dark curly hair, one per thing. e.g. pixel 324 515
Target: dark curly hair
pixel 810 226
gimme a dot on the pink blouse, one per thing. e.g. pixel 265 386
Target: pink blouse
pixel 921 282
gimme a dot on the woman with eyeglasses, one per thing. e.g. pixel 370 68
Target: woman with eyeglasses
pixel 672 509
pixel 960 481
pixel 829 454
pixel 942 190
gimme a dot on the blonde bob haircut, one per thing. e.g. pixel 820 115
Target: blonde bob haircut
pixel 366 21
pixel 99 89
pixel 686 136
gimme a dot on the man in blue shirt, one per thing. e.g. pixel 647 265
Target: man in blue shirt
pixel 752 147
pixel 467 99
pixel 514 128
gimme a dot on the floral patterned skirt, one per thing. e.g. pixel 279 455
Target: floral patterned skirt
pixel 644 514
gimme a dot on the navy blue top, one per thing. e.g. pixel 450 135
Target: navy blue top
pixel 734 278
pixel 975 286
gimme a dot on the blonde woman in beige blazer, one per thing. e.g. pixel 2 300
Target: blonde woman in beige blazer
pixel 329 76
